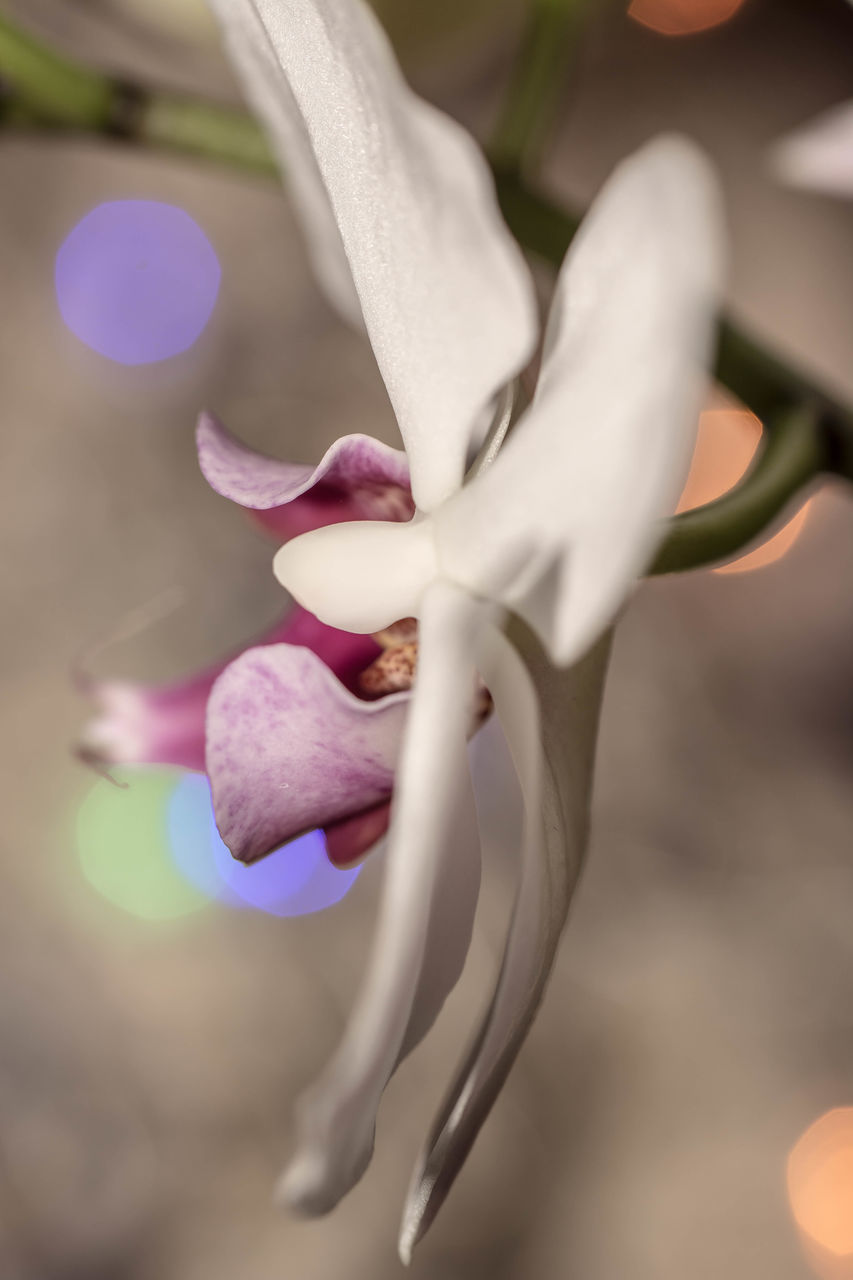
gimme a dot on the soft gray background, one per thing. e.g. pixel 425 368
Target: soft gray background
pixel 700 1016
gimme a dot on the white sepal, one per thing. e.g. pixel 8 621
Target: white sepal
pixel 550 720
pixel 428 902
pixel 446 296
pixel 571 511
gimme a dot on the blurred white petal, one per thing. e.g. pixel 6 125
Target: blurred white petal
pixel 550 719
pixel 569 514
pixel 429 898
pixel 446 296
pixel 819 156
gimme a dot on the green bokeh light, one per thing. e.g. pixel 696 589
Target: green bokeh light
pixel 123 846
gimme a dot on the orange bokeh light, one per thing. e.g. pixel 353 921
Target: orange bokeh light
pixel 682 17
pixel 725 446
pixel 820 1191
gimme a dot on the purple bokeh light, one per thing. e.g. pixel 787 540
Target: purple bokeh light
pixel 137 280
pixel 296 880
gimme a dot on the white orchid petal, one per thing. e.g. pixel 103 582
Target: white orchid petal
pixel 819 155
pixel 419 950
pixel 553 753
pixel 446 296
pixel 366 574
pixel 569 514
pixel 271 98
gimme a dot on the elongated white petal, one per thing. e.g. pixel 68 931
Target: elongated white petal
pixel 445 294
pixel 254 61
pixel 553 751
pixel 569 514
pixel 428 902
pixel 819 156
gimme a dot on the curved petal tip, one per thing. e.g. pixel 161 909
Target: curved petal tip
pixel 358 478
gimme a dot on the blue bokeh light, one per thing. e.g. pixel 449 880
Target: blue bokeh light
pixel 296 880
pixel 137 280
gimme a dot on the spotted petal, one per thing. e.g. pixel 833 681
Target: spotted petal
pixel 289 748
pixel 445 294
pixel 358 478
pixel 571 510
pixel 429 897
pixel 164 723
pixel 819 155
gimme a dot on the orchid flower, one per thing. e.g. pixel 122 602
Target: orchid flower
pixel 514 567
pixel 520 544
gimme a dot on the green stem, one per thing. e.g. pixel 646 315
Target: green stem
pixel 538 80
pixel 794 452
pixel 49 91
pixel 204 130
pixel 52 88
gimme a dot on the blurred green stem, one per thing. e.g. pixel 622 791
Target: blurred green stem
pixel 46 91
pixel 808 432
pixel 792 454
pixel 51 87
pixel 539 78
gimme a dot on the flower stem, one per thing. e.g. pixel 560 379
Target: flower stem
pixel 538 79
pixel 793 454
pixel 205 130
pixel 49 86
pixel 44 90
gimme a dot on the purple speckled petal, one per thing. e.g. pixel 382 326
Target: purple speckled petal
pixel 358 478
pixel 289 748
pixel 164 724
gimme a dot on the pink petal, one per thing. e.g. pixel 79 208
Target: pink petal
pixel 289 748
pixel 164 724
pixel 358 478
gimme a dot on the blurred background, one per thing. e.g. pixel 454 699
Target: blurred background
pixel 661 1121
